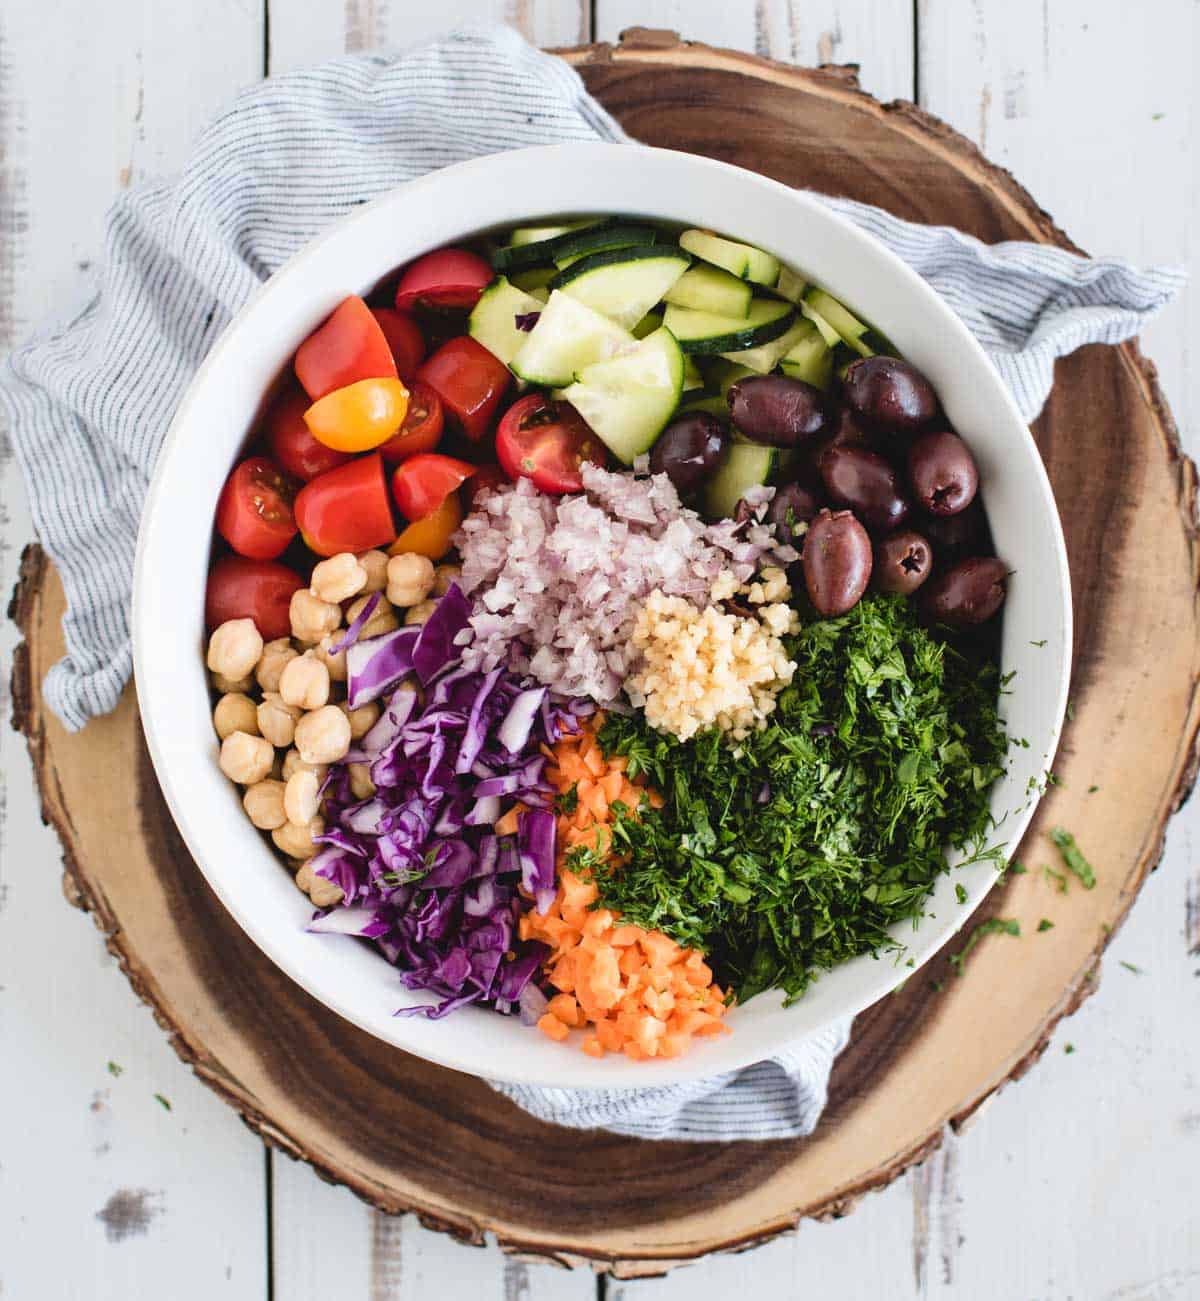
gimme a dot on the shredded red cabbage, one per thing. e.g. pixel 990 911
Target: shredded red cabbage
pixel 424 875
pixel 525 321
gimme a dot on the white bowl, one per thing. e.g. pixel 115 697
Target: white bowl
pixel 352 256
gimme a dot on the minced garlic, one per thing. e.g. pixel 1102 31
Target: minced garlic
pixel 708 668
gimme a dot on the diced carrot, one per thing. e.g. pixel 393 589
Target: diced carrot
pixel 507 825
pixel 593 761
pixel 592 1046
pixel 660 949
pixel 613 785
pixel 625 936
pixel 566 1009
pixel 553 1027
pixel 631 961
pixel 598 921
pixel 609 1034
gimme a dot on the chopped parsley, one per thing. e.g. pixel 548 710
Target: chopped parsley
pixel 879 754
pixel 1093 789
pixel 959 892
pixel 1129 966
pixel 1068 1048
pixel 1038 644
pixel 993 926
pixel 164 1103
pixel 1045 924
pixel 1073 857
pixel 115 1070
pixel 568 801
pixel 1058 878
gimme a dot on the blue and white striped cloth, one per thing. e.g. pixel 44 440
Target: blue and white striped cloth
pixel 89 398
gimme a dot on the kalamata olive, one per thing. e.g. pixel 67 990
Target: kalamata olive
pixel 837 562
pixel 902 562
pixel 942 472
pixel 966 594
pixel 954 537
pixel 793 505
pixel 776 410
pixel 689 449
pixel 889 393
pixel 866 483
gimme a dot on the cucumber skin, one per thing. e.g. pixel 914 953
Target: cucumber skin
pixel 614 256
pixel 746 465
pixel 738 341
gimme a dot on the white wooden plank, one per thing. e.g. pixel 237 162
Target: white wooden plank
pixel 304 33
pixel 149 1201
pixel 880 38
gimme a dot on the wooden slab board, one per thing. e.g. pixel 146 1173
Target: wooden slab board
pixel 408 1136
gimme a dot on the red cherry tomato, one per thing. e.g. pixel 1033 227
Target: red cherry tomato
pixel 422 427
pixel 291 441
pixel 350 346
pixel 470 382
pixel 451 277
pixel 423 482
pixel 485 476
pixel 254 512
pixel 547 442
pixel 251 589
pixel 346 509
pixel 404 338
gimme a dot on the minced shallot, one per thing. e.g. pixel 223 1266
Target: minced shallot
pixel 558 581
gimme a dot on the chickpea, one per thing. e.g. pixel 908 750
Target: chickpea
pixel 361 719
pixel 338 579
pixel 375 563
pixel 297 841
pixel 323 893
pixel 277 720
pixel 312 618
pixel 263 803
pixel 246 759
pixel 410 579
pixel 322 736
pixel 383 620
pixel 301 798
pixel 232 686
pixel 292 763
pixel 443 576
pixel 275 658
pixel 361 785
pixel 305 682
pixel 235 712
pixel 235 648
pixel 335 663
pixel 420 613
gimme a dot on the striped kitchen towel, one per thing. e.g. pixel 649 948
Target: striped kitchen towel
pixel 89 398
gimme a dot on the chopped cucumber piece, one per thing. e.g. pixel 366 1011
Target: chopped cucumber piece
pixel 702 332
pixel 567 337
pixel 540 234
pixel 570 248
pixel 828 333
pixel 849 328
pixel 742 260
pixel 533 278
pixel 744 466
pixel 540 252
pixel 712 403
pixel 542 294
pixel 648 324
pixel 623 284
pixel 709 289
pixel 629 399
pixel 809 358
pixel 790 285
pixel 763 359
pixel 692 379
pixel 493 319
pixel 722 374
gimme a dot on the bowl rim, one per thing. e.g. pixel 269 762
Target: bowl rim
pixel 928 304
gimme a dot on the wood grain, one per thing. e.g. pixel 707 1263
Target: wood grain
pixel 406 1135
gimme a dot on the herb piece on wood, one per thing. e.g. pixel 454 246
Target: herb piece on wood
pixel 1045 924
pixel 1072 857
pixel 993 926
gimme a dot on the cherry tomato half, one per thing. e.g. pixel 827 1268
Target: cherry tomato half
pixel 432 535
pixel 404 338
pixel 251 589
pixel 547 442
pixel 254 513
pixel 346 509
pixel 350 346
pixel 360 416
pixel 470 382
pixel 291 440
pixel 423 482
pixel 422 427
pixel 451 277
pixel 485 476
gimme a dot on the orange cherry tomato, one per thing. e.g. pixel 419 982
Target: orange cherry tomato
pixel 350 346
pixel 252 589
pixel 291 440
pixel 346 509
pixel 470 382
pixel 360 416
pixel 432 535
pixel 423 482
pixel 422 427
pixel 254 512
pixel 404 338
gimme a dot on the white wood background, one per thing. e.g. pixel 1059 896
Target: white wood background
pixel 1080 1182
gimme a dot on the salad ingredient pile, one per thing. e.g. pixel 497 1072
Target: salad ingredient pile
pixel 600 627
